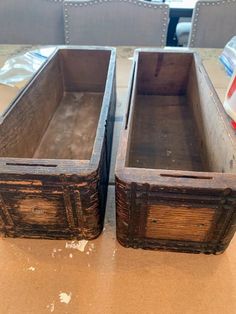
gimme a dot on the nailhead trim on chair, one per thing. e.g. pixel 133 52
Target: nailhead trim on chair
pixel 199 6
pixel 55 0
pixel 163 7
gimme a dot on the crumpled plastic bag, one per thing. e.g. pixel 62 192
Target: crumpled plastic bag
pixel 17 71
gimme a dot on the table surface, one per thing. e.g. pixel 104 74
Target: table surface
pixel 47 276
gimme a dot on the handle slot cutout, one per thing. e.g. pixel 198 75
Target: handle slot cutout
pixel 30 165
pixel 185 176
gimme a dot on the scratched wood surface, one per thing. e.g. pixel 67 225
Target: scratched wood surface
pixel 37 275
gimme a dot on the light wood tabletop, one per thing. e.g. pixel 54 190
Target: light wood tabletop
pixel 102 277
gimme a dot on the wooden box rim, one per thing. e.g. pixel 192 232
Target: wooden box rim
pixel 63 166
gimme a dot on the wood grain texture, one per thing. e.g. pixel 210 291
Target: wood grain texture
pixel 63 210
pixel 85 70
pixel 31 209
pixel 185 220
pixel 163 73
pixel 179 223
pixel 122 213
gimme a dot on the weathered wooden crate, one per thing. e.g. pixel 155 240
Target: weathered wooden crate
pixel 175 171
pixel 55 145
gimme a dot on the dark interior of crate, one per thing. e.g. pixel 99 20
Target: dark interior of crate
pixel 57 116
pixel 164 133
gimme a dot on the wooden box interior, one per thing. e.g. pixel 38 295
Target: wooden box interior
pixel 174 123
pixel 57 116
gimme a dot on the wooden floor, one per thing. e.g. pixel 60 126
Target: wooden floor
pixel 164 134
pixel 72 130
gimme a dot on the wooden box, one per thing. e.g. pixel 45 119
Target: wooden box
pixel 55 145
pixel 175 171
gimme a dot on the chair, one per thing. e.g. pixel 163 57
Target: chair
pixel 31 22
pixel 213 23
pixel 115 22
pixel 182 31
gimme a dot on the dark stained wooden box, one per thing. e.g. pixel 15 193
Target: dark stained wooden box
pixel 175 171
pixel 55 145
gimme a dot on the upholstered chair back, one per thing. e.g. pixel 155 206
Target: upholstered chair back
pixel 115 22
pixel 31 22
